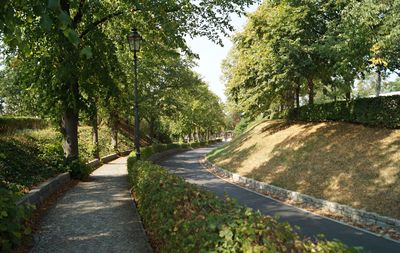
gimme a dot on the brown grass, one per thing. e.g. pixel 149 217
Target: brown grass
pixel 341 162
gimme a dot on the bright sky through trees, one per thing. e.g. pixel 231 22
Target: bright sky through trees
pixel 211 55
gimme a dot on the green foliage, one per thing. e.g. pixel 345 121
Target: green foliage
pixel 241 126
pixel 146 152
pixel 79 169
pixel 181 217
pixel 11 124
pixel 87 148
pixel 30 157
pixel 377 111
pixel 289 49
pixel 75 58
pixel 13 220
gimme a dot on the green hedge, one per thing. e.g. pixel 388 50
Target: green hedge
pixel 181 217
pixel 146 152
pixel 11 124
pixel 377 111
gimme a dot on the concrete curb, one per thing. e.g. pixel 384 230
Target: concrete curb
pixel 356 215
pixel 39 194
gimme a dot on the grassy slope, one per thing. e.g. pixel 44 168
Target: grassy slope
pixel 341 162
pixel 29 157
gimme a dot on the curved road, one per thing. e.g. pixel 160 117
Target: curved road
pixel 187 165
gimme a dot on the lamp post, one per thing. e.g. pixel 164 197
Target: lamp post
pixel 134 40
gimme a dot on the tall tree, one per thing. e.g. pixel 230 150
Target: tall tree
pixel 57 38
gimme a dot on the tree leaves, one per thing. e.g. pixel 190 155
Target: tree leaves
pixel 86 52
pixel 53 5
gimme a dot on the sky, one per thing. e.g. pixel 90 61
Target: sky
pixel 211 55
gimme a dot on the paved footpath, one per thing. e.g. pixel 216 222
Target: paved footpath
pixel 187 165
pixel 96 216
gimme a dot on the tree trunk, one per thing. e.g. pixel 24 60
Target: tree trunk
pixel 114 131
pixel 378 81
pixel 151 129
pixel 297 94
pixel 310 87
pixel 114 138
pixel 95 135
pixel 69 124
pixel 348 96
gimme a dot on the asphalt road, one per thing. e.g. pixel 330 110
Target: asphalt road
pixel 188 166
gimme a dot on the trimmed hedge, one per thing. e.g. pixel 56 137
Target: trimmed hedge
pixel 146 152
pixel 181 217
pixel 377 111
pixel 11 124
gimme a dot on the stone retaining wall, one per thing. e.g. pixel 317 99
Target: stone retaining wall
pixel 44 190
pixel 356 215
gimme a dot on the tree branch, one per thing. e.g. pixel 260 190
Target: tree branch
pixel 99 22
pixel 78 17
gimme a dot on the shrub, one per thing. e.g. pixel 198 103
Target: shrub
pixel 79 170
pixel 13 220
pixel 184 145
pixel 180 217
pixel 241 126
pixel 377 111
pixel 11 124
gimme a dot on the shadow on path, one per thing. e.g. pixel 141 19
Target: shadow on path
pixel 96 216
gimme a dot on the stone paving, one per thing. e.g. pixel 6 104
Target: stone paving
pixel 96 216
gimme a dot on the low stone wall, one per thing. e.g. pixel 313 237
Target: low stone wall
pixel 356 215
pixel 44 190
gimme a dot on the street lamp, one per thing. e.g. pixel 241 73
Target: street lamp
pixel 134 40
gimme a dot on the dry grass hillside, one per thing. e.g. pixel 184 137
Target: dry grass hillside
pixel 342 162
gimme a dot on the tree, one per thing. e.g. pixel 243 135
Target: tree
pixel 370 33
pixel 55 43
pixel 283 48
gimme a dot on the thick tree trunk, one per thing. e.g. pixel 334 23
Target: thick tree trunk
pixel 311 94
pixel 378 81
pixel 69 124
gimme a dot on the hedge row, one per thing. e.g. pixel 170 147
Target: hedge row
pixel 11 124
pixel 181 217
pixel 377 111
pixel 146 152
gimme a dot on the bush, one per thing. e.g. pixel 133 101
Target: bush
pixel 11 124
pixel 146 152
pixel 180 217
pixel 241 126
pixel 377 111
pixel 13 220
pixel 79 170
